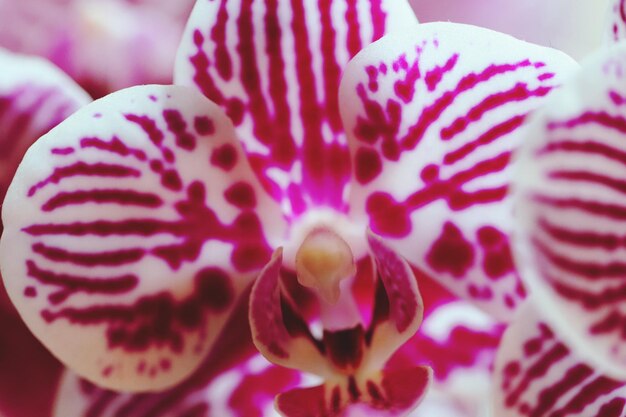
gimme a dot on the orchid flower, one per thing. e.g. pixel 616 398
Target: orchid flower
pixel 575 27
pixel 134 229
pixel 565 353
pixel 104 45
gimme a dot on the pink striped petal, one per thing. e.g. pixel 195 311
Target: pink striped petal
pixel 275 68
pixel 572 202
pixel 34 97
pixel 538 375
pixel 617 21
pixel 131 229
pixel 433 119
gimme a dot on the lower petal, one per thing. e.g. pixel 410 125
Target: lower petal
pixel 538 375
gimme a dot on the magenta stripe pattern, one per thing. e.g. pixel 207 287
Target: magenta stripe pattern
pixel 537 375
pixel 275 67
pixel 433 119
pixel 572 202
pixel 34 97
pixel 136 236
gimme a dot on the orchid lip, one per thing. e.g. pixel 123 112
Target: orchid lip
pixel 351 354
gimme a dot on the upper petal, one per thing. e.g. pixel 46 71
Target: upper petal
pixel 275 66
pixel 571 206
pixel 537 375
pixel 130 230
pixel 433 118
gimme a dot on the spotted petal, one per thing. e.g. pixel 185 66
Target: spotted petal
pixel 34 97
pixel 433 119
pixel 275 66
pixel 131 229
pixel 538 375
pixel 572 202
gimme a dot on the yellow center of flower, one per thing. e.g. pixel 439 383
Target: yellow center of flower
pixel 323 260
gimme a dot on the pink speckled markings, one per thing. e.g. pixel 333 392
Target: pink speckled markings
pixel 537 375
pixel 350 356
pixel 130 231
pixel 433 119
pixel 617 21
pixel 275 68
pixel 572 206
pixel 234 380
pixel 34 97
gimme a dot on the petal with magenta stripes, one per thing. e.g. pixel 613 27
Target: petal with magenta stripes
pixel 131 230
pixel 538 375
pixel 433 118
pixel 34 97
pixel 274 67
pixel 571 205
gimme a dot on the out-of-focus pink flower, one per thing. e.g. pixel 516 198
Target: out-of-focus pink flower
pixel 104 45
pixel 576 27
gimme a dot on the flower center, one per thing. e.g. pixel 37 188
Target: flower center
pixel 323 260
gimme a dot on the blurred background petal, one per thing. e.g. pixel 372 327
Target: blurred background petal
pixel 105 45
pixel 575 26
